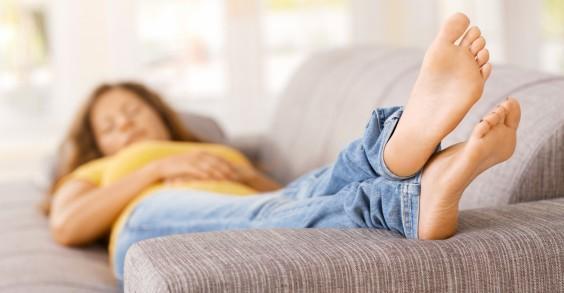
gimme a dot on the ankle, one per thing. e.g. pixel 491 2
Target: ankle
pixel 406 153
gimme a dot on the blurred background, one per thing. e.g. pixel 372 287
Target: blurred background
pixel 225 58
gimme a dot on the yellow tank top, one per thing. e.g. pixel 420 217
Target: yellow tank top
pixel 105 171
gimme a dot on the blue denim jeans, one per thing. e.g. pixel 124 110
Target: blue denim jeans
pixel 356 191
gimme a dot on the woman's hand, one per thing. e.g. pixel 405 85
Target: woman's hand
pixel 197 165
pixel 201 165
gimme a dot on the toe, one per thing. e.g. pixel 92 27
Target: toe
pixel 478 45
pixel 486 70
pixel 471 35
pixel 513 115
pixel 483 57
pixel 492 119
pixel 454 27
pixel 481 129
pixel 500 111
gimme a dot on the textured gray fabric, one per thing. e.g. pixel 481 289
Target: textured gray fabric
pixel 516 248
pixel 30 261
pixel 331 97
pixel 203 127
pixel 248 145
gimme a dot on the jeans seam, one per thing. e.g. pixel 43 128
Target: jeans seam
pixel 409 212
pixel 406 211
pixel 379 118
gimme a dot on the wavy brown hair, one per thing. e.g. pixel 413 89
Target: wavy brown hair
pixel 79 145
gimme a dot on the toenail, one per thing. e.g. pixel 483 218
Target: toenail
pixel 487 122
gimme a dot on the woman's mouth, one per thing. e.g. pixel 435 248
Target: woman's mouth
pixel 134 136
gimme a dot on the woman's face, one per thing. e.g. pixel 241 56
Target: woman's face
pixel 120 118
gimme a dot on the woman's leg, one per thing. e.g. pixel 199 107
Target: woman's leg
pixel 333 196
pixel 373 203
pixel 178 211
pixel 361 160
pixel 170 212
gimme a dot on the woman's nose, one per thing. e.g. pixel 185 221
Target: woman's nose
pixel 124 123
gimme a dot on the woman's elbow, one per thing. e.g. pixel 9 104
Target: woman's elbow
pixel 62 233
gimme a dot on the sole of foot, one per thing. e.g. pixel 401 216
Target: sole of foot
pixel 450 82
pixel 449 172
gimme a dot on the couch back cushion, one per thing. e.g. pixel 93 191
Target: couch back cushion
pixel 202 126
pixel 330 98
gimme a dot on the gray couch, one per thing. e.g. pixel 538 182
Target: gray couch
pixel 511 232
pixel 499 247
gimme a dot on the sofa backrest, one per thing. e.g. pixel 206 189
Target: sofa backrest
pixel 330 98
pixel 203 127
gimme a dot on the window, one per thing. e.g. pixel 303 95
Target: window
pixel 295 28
pixel 553 36
pixel 25 76
pixel 24 60
pixel 182 46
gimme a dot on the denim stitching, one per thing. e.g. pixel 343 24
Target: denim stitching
pixel 405 210
pixel 408 196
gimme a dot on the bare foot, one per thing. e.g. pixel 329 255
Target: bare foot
pixel 451 80
pixel 450 171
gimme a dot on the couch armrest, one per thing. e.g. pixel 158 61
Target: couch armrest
pixel 517 247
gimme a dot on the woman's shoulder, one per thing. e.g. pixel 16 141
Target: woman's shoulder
pixel 95 164
pixel 91 170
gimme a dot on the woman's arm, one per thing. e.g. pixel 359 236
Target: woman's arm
pixel 82 212
pixel 257 180
pixel 244 173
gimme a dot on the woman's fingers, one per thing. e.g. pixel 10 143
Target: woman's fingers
pixel 206 166
pixel 195 173
pixel 222 167
pixel 201 165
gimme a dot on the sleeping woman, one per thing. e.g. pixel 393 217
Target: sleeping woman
pixel 130 171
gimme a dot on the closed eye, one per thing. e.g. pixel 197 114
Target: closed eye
pixel 132 109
